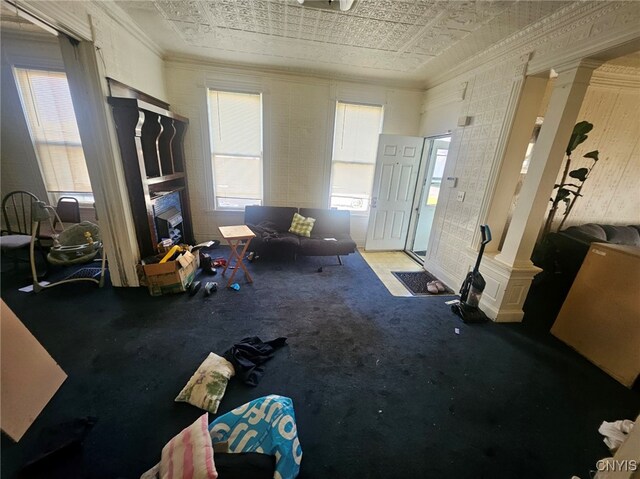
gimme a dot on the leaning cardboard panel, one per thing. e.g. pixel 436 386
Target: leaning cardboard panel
pixel 601 316
pixel 30 377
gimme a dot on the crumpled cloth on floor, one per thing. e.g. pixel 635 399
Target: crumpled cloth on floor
pixel 249 355
pixel 615 433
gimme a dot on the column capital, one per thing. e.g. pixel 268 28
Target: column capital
pixel 575 64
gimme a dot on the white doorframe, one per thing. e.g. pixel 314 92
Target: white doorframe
pixel 424 180
pixel 424 160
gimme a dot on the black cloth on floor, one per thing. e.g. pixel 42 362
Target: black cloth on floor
pixel 249 355
pixel 245 465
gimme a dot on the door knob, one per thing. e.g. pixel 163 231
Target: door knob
pixel 374 202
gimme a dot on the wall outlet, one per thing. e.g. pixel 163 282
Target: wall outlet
pixel 460 196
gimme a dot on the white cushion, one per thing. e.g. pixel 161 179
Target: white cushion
pixel 14 241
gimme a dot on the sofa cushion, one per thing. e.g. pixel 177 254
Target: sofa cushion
pixel 626 235
pixel 589 230
pixel 284 246
pixel 301 226
pixel 336 245
pixel 329 223
pixel 280 216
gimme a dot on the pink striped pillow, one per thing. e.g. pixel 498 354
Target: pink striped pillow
pixel 189 455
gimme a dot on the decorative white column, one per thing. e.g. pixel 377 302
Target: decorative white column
pixel 566 99
pixel 516 148
pixel 507 286
pixel 510 272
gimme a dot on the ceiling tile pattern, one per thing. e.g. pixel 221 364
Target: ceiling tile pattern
pixel 404 39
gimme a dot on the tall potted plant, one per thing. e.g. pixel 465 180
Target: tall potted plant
pixel 570 186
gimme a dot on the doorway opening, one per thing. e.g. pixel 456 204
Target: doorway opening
pixel 434 159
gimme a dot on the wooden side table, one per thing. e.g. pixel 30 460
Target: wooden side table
pixel 235 235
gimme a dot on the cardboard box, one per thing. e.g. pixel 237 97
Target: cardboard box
pixel 601 316
pixel 172 276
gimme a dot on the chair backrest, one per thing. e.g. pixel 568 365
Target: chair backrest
pixel 68 209
pixel 17 211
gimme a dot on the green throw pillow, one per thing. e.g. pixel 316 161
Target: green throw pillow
pixel 301 226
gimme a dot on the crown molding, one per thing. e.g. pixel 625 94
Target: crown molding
pixel 616 77
pixel 72 18
pixel 529 39
pixel 60 17
pixel 437 97
pixel 192 62
pixel 124 20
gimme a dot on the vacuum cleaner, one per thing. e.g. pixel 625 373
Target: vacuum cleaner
pixel 472 287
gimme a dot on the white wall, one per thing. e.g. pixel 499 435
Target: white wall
pixel 612 191
pixel 471 156
pixel 298 129
pixel 441 108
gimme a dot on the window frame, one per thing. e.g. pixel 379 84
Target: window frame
pixel 367 211
pixel 85 198
pixel 211 182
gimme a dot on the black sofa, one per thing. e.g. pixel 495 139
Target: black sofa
pixel 330 235
pixel 562 253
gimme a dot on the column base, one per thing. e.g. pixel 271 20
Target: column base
pixel 507 288
pixel 507 285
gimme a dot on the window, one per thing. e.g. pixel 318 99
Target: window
pixel 436 178
pixel 235 127
pixel 355 142
pixel 46 101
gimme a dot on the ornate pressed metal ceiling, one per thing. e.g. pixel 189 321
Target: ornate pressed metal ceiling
pixel 390 39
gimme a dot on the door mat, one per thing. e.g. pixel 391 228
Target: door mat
pixel 416 282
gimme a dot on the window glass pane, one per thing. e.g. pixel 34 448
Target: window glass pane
pixel 356 132
pixel 49 112
pixel 236 143
pixel 237 177
pixel 235 123
pixel 352 179
pixel 354 155
pixel 65 167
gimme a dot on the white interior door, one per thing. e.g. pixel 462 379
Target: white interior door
pixel 394 185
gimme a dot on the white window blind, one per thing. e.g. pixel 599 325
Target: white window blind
pixel 46 101
pixel 235 121
pixel 355 143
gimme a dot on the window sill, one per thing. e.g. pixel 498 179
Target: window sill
pixel 212 212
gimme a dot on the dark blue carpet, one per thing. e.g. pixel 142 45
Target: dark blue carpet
pixel 382 386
